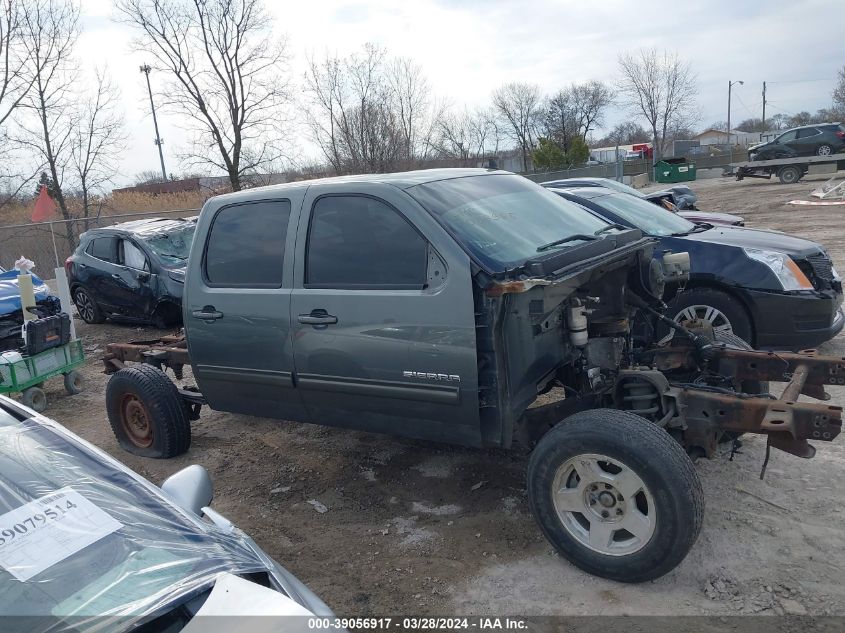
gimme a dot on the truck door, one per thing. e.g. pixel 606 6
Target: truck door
pixel 237 308
pixel 383 319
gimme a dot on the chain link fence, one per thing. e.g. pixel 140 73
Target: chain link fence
pixel 49 244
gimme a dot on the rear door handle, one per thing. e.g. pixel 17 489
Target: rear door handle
pixel 317 317
pixel 208 313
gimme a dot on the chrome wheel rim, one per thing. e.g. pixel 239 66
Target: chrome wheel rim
pixel 716 318
pixel 85 306
pixel 604 505
pixel 824 150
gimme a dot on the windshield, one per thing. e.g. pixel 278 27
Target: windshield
pixel 127 553
pixel 649 218
pixel 502 219
pixel 621 188
pixel 173 246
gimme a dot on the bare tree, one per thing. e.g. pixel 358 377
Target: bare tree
pixel 370 114
pixel 228 77
pixel 49 32
pixel 15 82
pixel 839 91
pixel 96 141
pixel 518 107
pixel 466 136
pixel 662 88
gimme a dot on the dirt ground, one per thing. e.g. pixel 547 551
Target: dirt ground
pixel 420 528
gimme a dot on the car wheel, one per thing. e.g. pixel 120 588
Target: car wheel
pixel 34 398
pixel 146 413
pixel 824 150
pixel 790 174
pixel 720 310
pixel 615 495
pixel 87 308
pixel 73 382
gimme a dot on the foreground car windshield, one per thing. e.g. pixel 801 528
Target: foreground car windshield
pixel 644 215
pixel 174 245
pixel 138 555
pixel 503 219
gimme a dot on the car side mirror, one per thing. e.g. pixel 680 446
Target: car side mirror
pixel 190 488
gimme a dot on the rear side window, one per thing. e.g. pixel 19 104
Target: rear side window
pixel 361 242
pixel 246 245
pixel 103 248
pixel 806 133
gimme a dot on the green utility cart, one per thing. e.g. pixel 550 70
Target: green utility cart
pixel 674 170
pixel 26 374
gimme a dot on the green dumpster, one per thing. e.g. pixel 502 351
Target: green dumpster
pixel 674 170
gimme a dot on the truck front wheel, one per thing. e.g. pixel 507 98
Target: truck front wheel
pixel 615 495
pixel 146 413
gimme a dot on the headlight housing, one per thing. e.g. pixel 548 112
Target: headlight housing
pixel 787 271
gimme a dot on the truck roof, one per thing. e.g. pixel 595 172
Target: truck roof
pixel 402 180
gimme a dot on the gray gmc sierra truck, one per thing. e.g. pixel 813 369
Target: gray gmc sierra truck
pixel 439 305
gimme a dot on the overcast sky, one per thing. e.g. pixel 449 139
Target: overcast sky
pixel 467 48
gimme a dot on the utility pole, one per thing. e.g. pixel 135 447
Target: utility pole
pixel 158 141
pixel 730 85
pixel 763 125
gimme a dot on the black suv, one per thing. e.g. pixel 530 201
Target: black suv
pixel 823 139
pixel 133 271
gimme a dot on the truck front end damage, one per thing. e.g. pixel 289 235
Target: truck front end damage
pixel 587 332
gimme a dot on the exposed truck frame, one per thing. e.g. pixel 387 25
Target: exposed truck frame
pixel 787 170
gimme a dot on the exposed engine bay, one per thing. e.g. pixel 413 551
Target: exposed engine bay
pixel 702 386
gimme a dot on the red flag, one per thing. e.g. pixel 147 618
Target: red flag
pixel 45 208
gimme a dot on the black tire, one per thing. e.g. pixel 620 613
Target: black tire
pixel 825 149
pixel 731 309
pixel 34 398
pixel 790 174
pixel 146 413
pixel 660 463
pixel 74 383
pixel 87 308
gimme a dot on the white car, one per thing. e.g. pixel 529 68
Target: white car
pixel 84 540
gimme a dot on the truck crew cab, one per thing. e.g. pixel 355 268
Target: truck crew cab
pixel 439 305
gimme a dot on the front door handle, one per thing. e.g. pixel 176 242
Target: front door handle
pixel 317 317
pixel 208 313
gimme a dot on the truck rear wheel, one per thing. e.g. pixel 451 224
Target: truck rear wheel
pixel 790 174
pixel 615 495
pixel 146 413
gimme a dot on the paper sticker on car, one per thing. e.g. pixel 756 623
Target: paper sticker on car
pixel 48 530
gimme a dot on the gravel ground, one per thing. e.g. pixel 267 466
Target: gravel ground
pixel 421 528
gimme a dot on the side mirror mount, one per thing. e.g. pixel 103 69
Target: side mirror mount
pixel 190 488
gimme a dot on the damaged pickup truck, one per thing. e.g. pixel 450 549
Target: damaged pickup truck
pixel 472 307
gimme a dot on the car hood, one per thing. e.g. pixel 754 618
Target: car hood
pixel 10 294
pixel 711 217
pixel 760 239
pixel 757 146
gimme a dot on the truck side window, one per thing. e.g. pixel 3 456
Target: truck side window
pixel 246 245
pixel 361 242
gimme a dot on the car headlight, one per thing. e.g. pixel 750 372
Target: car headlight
pixel 787 271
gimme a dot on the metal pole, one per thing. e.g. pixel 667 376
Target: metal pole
pixel 146 70
pixel 763 126
pixel 730 83
pixel 55 250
